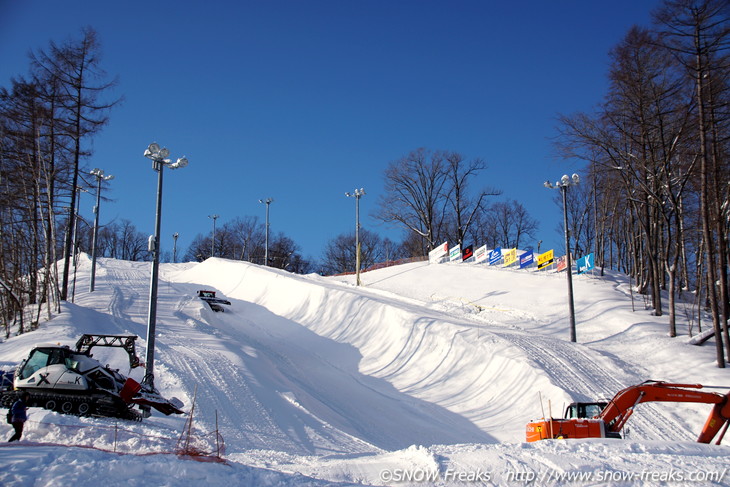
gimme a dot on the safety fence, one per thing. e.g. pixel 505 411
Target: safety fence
pixel 191 443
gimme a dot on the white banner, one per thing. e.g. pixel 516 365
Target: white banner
pixel 438 253
pixel 455 253
pixel 480 255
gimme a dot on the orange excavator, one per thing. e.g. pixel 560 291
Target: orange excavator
pixel 579 423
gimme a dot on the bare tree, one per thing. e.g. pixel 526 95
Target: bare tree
pixel 75 69
pixel 698 33
pixel 340 255
pixel 464 206
pixel 508 223
pixel 658 152
pixel 284 254
pixel 45 120
pixel 248 237
pixel 415 195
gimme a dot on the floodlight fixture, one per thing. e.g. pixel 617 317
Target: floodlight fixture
pixel 99 173
pixel 356 194
pixel 180 163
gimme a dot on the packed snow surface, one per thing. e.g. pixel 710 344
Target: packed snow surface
pixel 425 375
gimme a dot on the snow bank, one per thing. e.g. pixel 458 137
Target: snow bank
pixel 424 376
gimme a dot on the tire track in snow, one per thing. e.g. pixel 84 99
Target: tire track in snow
pixel 242 418
pixel 249 416
pixel 125 301
pixel 573 368
pixel 586 374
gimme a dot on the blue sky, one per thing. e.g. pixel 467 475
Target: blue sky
pixel 303 101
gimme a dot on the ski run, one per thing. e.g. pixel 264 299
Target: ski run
pixel 425 375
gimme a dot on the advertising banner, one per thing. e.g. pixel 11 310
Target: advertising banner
pixel 584 264
pixel 438 253
pixel 510 257
pixel 562 263
pixel 455 253
pixel 467 252
pixel 546 259
pixel 481 254
pixel 495 256
pixel 526 259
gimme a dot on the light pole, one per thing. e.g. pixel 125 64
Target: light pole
pixel 212 242
pixel 174 247
pixel 357 194
pixel 159 161
pixel 267 201
pixel 99 175
pixel 563 184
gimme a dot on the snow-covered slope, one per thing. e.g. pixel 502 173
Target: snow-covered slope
pixel 425 370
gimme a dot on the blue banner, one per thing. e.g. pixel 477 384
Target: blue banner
pixel 585 264
pixel 527 259
pixel 495 256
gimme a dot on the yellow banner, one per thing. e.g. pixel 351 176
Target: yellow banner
pixel 510 257
pixel 546 259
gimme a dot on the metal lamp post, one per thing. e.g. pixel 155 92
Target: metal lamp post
pixel 563 184
pixel 174 246
pixel 212 242
pixel 159 161
pixel 267 201
pixel 99 174
pixel 357 194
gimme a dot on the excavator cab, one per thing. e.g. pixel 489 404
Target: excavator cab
pixel 584 409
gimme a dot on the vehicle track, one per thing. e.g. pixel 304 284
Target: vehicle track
pixel 584 373
pixel 577 370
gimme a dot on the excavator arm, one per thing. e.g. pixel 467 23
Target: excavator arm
pixel 719 418
pixel 620 408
